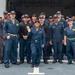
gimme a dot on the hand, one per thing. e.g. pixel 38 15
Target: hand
pixel 43 46
pixel 65 43
pixel 25 37
pixel 50 42
pixel 62 41
pixel 28 29
pixel 4 37
pixel 8 37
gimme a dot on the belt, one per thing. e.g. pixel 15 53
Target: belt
pixel 12 34
pixel 71 38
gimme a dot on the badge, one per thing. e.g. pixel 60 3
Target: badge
pixel 17 24
pixel 73 29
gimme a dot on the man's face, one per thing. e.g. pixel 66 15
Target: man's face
pixel 41 20
pixel 51 20
pixel 12 16
pixel 25 19
pixel 67 20
pixel 70 22
pixel 59 15
pixel 34 18
pixel 5 15
pixel 55 20
pixel 73 17
pixel 37 24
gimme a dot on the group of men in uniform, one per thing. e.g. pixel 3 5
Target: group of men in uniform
pixel 36 37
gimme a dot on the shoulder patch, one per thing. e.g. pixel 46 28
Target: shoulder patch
pixel 17 24
pixel 73 29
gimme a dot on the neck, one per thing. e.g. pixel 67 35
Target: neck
pixel 56 23
pixel 12 19
pixel 5 19
pixel 25 22
pixel 37 28
pixel 70 26
pixel 42 23
pixel 51 22
pixel 59 19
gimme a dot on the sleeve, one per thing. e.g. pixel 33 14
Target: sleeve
pixel 5 29
pixel 30 33
pixel 43 37
pixel 62 31
pixel 47 31
pixel 51 34
pixel 1 29
pixel 20 31
pixel 65 32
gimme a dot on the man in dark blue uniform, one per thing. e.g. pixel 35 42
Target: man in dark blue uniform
pixel 24 39
pixel 57 33
pixel 69 40
pixel 10 30
pixel 60 19
pixel 37 42
pixel 5 14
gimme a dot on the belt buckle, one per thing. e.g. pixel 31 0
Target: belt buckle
pixel 35 40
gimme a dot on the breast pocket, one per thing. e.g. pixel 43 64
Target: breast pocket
pixel 59 28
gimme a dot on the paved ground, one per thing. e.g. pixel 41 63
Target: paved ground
pixel 50 69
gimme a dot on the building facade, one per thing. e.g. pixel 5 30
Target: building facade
pixel 67 7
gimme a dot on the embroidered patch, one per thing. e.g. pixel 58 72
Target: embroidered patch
pixel 73 29
pixel 17 24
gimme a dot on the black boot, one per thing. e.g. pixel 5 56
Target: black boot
pixel 32 65
pixel 69 63
pixel 45 61
pixel 60 61
pixel 54 61
pixel 6 65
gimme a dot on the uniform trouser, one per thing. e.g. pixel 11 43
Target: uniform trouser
pixel 11 47
pixel 69 47
pixel 1 50
pixel 49 50
pixel 22 49
pixel 45 52
pixel 57 46
pixel 36 53
pixel 28 50
pixel 63 50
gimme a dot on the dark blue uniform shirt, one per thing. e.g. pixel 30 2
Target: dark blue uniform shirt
pixel 11 28
pixel 70 33
pixel 63 22
pixel 57 32
pixel 37 36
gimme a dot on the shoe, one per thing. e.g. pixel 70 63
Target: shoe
pixel 69 63
pixel 29 62
pixel 74 60
pixel 1 62
pixel 21 62
pixel 60 61
pixel 16 63
pixel 45 61
pixel 54 61
pixel 32 66
pixel 36 65
pixel 6 65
